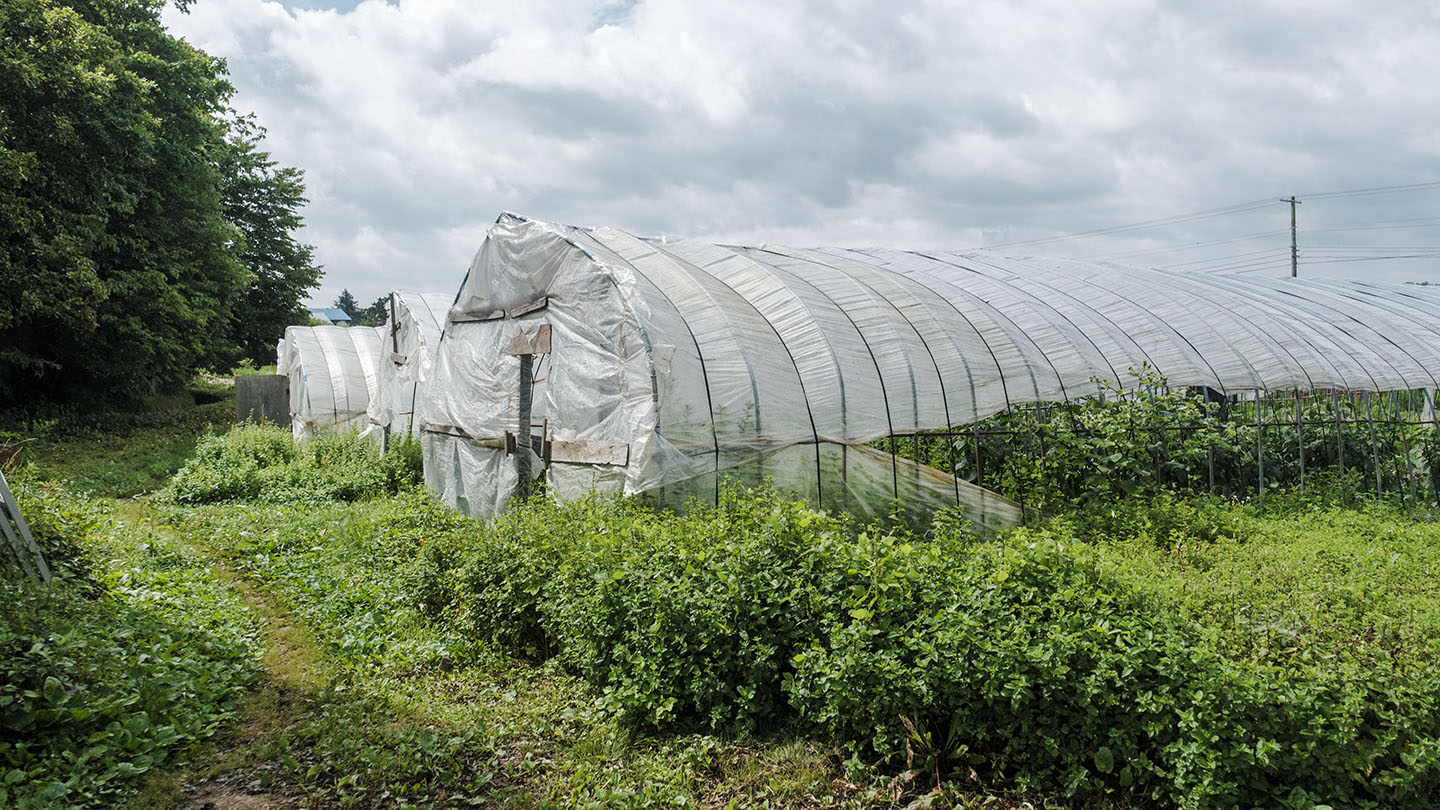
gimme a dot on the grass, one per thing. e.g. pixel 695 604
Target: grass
pixel 121 453
pixel 134 653
pixel 372 697
pixel 423 713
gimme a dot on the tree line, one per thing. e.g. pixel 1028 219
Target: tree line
pixel 144 234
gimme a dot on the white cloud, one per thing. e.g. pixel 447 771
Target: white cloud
pixel 920 124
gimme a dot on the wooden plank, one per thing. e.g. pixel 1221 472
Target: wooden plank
pixel 533 306
pixel 523 309
pixel 586 451
pixel 492 442
pixel 493 316
pixel 531 343
pixel 24 545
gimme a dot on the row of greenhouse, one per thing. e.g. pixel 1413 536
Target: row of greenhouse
pixel 597 361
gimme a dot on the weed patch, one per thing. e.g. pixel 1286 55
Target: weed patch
pixel 1089 660
pixel 261 463
pixel 133 653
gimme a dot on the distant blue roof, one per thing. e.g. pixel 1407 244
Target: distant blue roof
pixel 332 315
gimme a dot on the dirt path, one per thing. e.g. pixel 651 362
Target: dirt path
pixel 240 773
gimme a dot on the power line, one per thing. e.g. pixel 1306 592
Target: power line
pixel 1364 192
pixel 1202 263
pixel 1401 224
pixel 1344 259
pixel 1192 245
pixel 1152 223
pixel 1227 210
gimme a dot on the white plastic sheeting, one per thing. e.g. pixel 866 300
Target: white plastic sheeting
pixel 407 350
pixel 674 364
pixel 333 374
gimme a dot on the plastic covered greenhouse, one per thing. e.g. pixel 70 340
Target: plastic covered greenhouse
pixel 408 342
pixel 613 363
pixel 333 373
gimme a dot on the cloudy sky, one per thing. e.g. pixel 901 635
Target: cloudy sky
pixel 995 124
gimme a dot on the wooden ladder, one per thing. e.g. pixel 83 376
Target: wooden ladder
pixel 20 542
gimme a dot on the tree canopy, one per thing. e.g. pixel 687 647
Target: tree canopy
pixel 143 233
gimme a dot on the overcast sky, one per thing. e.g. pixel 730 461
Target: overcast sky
pixel 898 124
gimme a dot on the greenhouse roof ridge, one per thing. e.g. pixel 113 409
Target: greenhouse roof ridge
pixel 1039 328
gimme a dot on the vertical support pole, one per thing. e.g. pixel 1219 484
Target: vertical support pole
pixel 979 472
pixel 1213 416
pixel 1210 461
pixel 1374 446
pixel 1294 250
pixel 1157 439
pixel 1339 434
pixel 1435 424
pixel 522 428
pixel 894 466
pixel 954 467
pixel 1402 423
pixel 395 348
pixel 1300 435
pixel 1259 448
pixel 1040 426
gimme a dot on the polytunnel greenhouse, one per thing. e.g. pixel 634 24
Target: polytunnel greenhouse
pixel 333 373
pixel 408 342
pixel 608 362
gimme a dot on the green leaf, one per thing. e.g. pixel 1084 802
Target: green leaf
pixel 54 690
pixel 1104 760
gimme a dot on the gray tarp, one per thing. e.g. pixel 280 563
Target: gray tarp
pixel 407 350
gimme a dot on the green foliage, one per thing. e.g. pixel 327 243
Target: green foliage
pixel 120 263
pixel 263 199
pixel 1188 653
pixel 1146 437
pixel 374 315
pixel 133 653
pixel 346 303
pixel 117 453
pixel 417 712
pixel 262 463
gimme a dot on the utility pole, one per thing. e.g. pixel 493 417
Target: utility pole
pixel 1294 252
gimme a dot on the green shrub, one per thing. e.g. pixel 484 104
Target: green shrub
pixel 358 577
pixel 1190 653
pixel 261 463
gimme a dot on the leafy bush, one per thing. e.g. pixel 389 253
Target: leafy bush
pixel 1099 449
pixel 1033 664
pixel 262 463
pixel 1190 653
pixel 133 652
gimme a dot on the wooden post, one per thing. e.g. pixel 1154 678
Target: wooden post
pixel 522 428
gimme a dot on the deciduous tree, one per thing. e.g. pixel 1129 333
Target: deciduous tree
pixel 129 243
